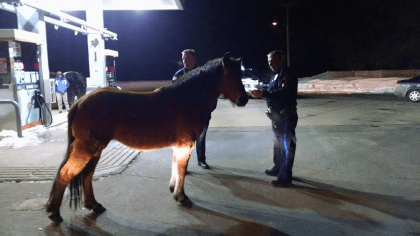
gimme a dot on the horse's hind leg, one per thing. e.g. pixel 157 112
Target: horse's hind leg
pixel 87 176
pixel 79 157
pixel 53 205
pixel 180 160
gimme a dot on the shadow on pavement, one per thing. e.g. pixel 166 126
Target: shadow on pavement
pixel 391 205
pixel 83 226
pixel 87 226
pixel 210 218
pixel 355 208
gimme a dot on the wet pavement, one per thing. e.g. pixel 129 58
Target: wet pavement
pixel 356 173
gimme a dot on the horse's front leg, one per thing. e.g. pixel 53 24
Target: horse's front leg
pixel 180 160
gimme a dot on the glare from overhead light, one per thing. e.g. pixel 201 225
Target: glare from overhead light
pixel 274 23
pixel 76 5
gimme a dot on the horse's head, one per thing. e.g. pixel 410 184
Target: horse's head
pixel 231 84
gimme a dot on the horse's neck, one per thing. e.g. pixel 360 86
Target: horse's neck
pixel 207 94
pixel 210 97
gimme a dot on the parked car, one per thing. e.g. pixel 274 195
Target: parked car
pixel 409 88
pixel 250 84
pixel 251 81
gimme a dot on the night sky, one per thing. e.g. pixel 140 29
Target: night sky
pixel 324 35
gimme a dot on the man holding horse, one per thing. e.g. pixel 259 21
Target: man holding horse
pixel 281 101
pixel 188 59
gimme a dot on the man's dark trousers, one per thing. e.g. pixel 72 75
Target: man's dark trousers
pixel 201 142
pixel 285 143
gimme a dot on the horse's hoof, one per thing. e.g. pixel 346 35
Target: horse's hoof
pixel 98 209
pixel 56 217
pixel 172 188
pixel 186 202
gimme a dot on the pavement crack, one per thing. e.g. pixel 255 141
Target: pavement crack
pixel 147 177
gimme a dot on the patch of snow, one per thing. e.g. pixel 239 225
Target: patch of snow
pixel 10 139
pixel 31 136
pixel 348 85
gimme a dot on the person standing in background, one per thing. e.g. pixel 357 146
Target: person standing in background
pixel 61 86
pixel 188 59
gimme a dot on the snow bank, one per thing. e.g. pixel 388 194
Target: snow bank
pixel 348 85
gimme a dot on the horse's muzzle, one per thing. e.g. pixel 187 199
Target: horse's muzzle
pixel 242 101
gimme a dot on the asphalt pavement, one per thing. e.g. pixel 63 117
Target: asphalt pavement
pixel 356 173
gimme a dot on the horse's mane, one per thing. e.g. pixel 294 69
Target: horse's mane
pixel 205 76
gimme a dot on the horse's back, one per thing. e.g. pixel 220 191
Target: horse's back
pixel 98 113
pixel 139 120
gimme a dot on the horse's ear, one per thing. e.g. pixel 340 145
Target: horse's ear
pixel 226 59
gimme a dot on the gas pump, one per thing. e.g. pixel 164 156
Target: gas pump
pixel 111 78
pixel 24 63
pixel 20 80
pixel 111 69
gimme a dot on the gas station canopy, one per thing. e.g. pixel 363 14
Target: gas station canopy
pixel 20 35
pixel 78 5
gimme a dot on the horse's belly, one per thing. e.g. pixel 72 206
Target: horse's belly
pixel 149 138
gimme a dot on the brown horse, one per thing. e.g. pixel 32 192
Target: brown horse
pixel 171 116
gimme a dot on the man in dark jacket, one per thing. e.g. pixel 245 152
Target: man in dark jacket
pixel 281 101
pixel 188 59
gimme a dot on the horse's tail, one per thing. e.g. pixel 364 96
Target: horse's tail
pixel 75 185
